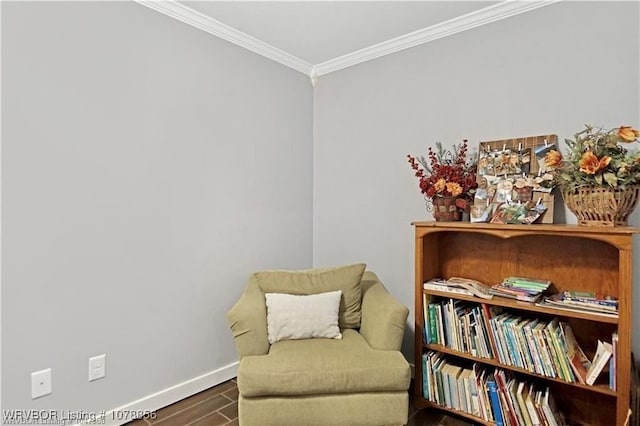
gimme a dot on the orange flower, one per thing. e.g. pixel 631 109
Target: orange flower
pixel 590 164
pixel 628 133
pixel 440 185
pixel 454 188
pixel 553 159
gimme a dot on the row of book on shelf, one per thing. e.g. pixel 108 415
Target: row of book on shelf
pixel 547 347
pixel 491 395
pixel 529 290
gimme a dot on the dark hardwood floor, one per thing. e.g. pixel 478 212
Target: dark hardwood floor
pixel 218 406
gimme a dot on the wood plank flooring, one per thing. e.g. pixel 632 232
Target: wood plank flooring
pixel 218 406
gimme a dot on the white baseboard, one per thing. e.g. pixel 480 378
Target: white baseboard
pixel 169 395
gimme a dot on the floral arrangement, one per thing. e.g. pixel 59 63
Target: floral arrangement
pixel 597 157
pixel 446 173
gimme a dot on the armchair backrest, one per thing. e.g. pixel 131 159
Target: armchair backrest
pixel 320 280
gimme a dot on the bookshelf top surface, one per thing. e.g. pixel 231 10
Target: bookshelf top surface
pixel 548 228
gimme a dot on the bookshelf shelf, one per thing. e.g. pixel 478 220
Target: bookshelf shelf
pixel 572 258
pixel 603 389
pixel 527 306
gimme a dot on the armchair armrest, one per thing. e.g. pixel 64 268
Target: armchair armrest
pixel 248 322
pixel 383 317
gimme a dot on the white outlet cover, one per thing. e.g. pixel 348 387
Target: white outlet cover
pixel 97 367
pixel 40 383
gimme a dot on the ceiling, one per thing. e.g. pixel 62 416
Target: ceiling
pixel 317 37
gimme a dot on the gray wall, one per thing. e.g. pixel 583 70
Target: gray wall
pixel 147 169
pixel 547 71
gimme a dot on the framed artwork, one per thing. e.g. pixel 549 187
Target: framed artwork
pixel 514 171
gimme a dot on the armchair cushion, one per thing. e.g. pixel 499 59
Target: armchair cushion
pixel 320 280
pixel 302 317
pixel 323 367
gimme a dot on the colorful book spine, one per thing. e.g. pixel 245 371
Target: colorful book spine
pixel 426 392
pixel 495 401
pixel 433 325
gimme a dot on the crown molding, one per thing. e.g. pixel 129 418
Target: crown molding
pixel 471 20
pixel 474 19
pixel 203 22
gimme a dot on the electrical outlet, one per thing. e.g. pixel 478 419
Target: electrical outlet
pixel 97 367
pixel 40 383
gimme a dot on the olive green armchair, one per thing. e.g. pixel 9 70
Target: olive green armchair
pixel 359 377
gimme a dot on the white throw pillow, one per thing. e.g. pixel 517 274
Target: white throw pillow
pixel 302 317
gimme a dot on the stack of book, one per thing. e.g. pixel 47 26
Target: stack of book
pixel 460 326
pixel 582 302
pixel 520 288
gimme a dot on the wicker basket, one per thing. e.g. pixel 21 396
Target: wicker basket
pixel 599 206
pixel 445 210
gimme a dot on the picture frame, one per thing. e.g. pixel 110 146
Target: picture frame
pixel 513 170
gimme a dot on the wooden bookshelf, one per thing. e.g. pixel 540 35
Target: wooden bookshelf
pixel 572 258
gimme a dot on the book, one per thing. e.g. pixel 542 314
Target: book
pixel 595 299
pixel 543 349
pixel 475 287
pixel 529 399
pixel 508 409
pixel 454 373
pixel 536 356
pixel 549 302
pixel 519 288
pixel 426 337
pixel 579 294
pixel 521 398
pixel 433 325
pixel 614 356
pixel 457 285
pixel 531 282
pixel 495 400
pixel 446 288
pixel 487 314
pixel 464 390
pixel 473 394
pixel 511 293
pixel 537 403
pixel 578 361
pixel 437 361
pixel 558 356
pixel 445 385
pixel 549 409
pixel 523 297
pixel 595 306
pixel 426 391
pixel 483 393
pixel 603 353
pixel 441 335
pixel 562 353
pixel 438 364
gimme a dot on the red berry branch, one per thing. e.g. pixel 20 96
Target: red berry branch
pixel 446 173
